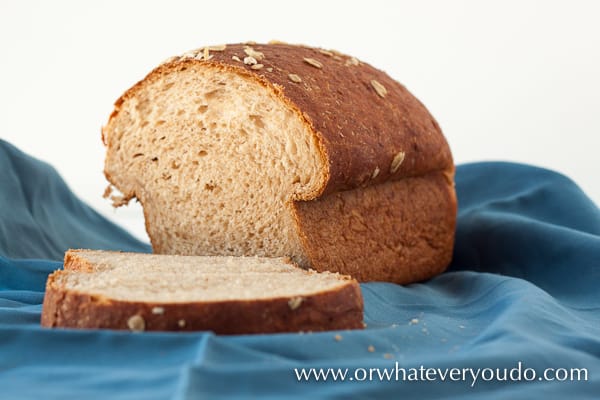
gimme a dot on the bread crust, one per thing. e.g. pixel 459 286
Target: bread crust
pixel 370 139
pixel 400 231
pixel 358 130
pixel 341 308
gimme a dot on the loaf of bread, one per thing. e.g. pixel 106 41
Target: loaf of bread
pixel 227 295
pixel 282 150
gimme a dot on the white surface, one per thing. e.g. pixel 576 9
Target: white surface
pixel 510 80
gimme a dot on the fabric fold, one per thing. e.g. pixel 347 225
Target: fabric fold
pixel 521 290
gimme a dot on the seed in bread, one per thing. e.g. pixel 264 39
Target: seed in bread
pixel 136 323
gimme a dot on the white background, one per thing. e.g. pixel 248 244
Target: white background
pixel 507 80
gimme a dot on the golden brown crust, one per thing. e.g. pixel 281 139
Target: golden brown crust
pixel 388 161
pixel 336 309
pixel 399 231
pixel 358 130
pixel 327 311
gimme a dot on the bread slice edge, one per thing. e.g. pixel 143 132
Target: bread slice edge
pixel 338 308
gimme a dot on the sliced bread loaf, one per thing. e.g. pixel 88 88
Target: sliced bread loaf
pixel 228 295
pixel 281 150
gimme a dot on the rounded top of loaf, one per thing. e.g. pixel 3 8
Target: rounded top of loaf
pixel 369 127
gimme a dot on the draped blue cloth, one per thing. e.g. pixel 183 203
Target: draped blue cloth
pixel 523 291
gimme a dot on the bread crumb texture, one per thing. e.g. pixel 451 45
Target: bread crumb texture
pixel 146 292
pixel 171 278
pixel 250 149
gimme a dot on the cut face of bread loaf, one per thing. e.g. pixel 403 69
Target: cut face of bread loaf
pixel 229 295
pixel 280 150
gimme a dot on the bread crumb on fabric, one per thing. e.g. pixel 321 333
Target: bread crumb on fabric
pixel 413 321
pixel 338 338
pixel 181 323
pixel 158 310
pixel 371 348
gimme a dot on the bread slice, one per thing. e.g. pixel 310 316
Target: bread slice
pixel 227 295
pixel 281 150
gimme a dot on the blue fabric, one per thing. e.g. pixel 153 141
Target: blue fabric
pixel 40 217
pixel 523 286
